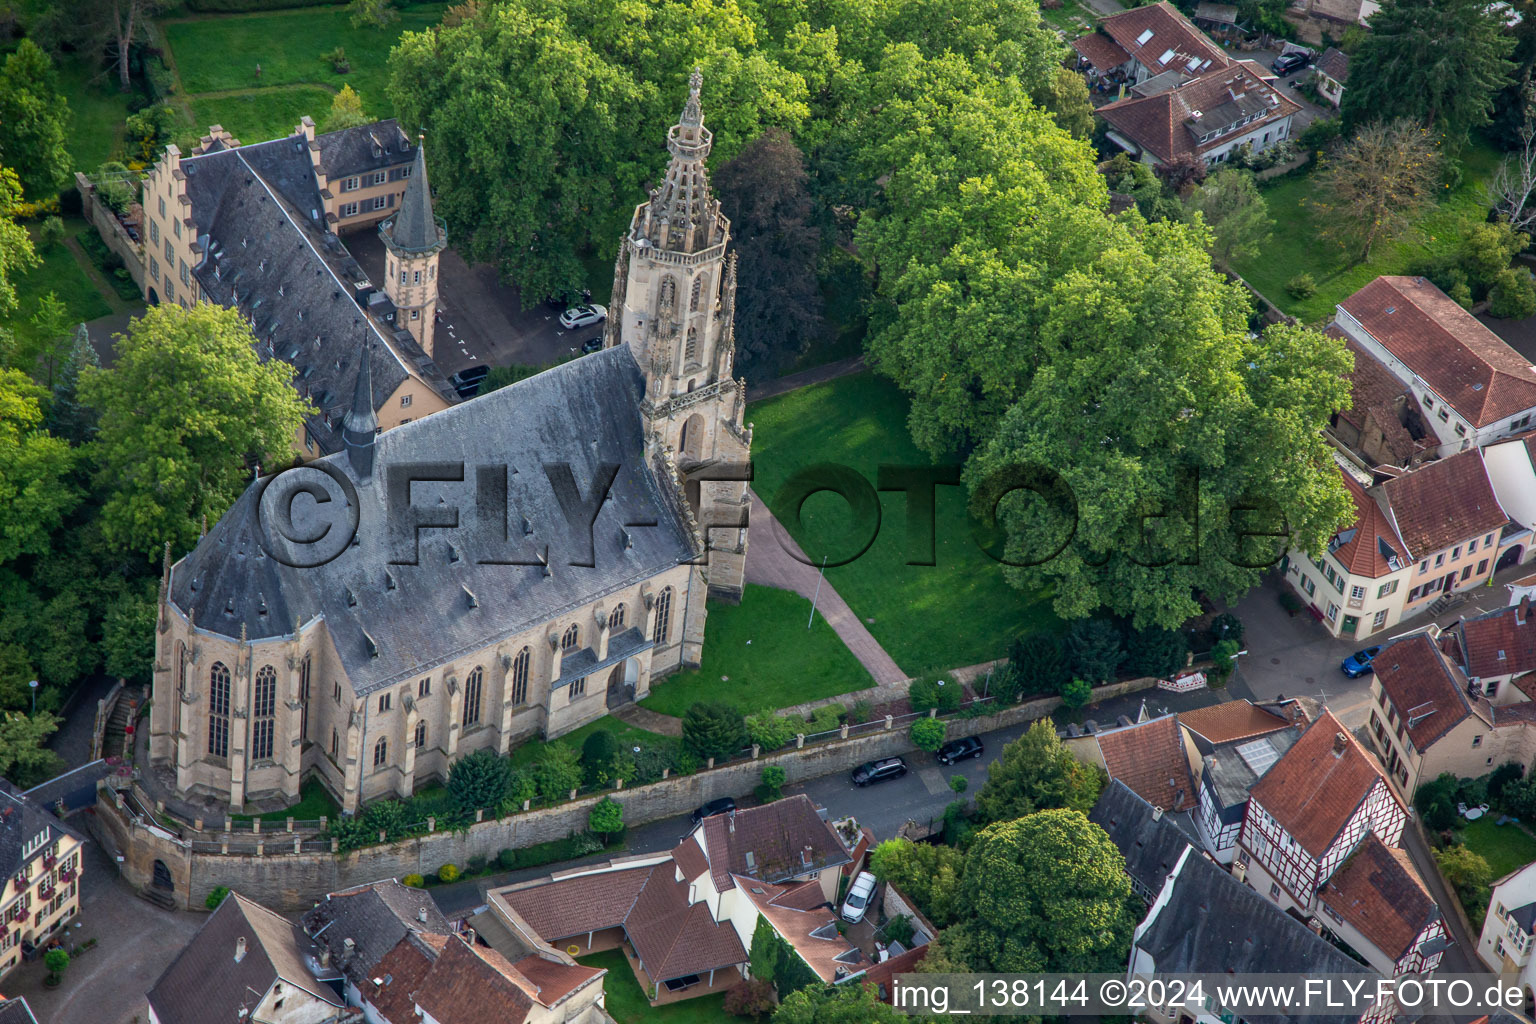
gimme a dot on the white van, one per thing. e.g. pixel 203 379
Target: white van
pixel 859 894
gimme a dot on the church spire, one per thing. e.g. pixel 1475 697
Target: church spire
pixel 414 229
pixel 361 425
pixel 683 216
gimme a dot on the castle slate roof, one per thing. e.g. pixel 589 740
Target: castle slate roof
pixel 390 620
pixel 367 147
pixel 21 820
pixel 376 917
pixel 1214 924
pixel 1150 842
pixel 414 228
pixel 16 1011
pixel 206 983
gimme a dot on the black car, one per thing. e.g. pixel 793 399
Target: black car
pixel 467 382
pixel 879 771
pixel 592 345
pixel 959 750
pixel 1288 62
pixel 722 806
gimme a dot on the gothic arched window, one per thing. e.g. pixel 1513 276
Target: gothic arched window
pixel 380 752
pixel 304 698
pixel 616 618
pixel 571 638
pixel 471 714
pixel 421 735
pixel 698 288
pixel 691 349
pixel 264 706
pixel 218 710
pixel 520 677
pixel 663 631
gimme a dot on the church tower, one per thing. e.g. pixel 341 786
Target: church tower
pixel 414 239
pixel 674 293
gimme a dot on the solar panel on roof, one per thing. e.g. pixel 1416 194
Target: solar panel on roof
pixel 1259 755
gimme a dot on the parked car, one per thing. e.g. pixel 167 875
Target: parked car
pixel 1359 663
pixel 592 345
pixel 859 893
pixel 959 750
pixel 467 382
pixel 1288 62
pixel 583 316
pixel 879 771
pixel 722 806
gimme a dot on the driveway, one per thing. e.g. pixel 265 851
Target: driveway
pixel 136 941
pixel 1289 86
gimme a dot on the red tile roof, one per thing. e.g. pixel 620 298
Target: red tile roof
pixel 785 838
pixel 1160 123
pixel 555 979
pixel 673 938
pixel 690 858
pixel 1443 503
pixel 473 985
pixel 579 904
pixel 1334 63
pixel 1500 643
pixel 1232 720
pixel 1428 693
pixel 1317 785
pixel 1150 759
pixel 1379 892
pixel 812 932
pixel 1373 543
pixel 1464 362
pixel 406 966
pixel 1100 51
pixel 883 975
pixel 1169 30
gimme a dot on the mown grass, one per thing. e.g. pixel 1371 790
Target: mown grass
pixel 261 114
pixel 314 803
pixel 759 654
pixel 959 611
pixel 1296 246
pixel 59 272
pixel 627 736
pixel 626 1003
pixel 1504 847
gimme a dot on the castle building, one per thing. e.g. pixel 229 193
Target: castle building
pixel 257 228
pixel 566 572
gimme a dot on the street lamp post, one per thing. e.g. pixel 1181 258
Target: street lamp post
pixel 33 686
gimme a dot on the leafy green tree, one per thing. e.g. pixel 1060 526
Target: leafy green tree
pixel 606 818
pixel 56 960
pixel 778 301
pixel 372 13
pixel 50 235
pixel 34 122
pixel 1094 651
pixel 1076 693
pixel 836 1004
pixel 128 631
pixel 479 780
pixel 1437 63
pixel 346 111
pixel 925 694
pixel 770 731
pixel 23 758
pixel 186 412
pixel 1231 206
pixel 556 772
pixel 149 130
pixel 928 734
pixel 16 251
pixel 1436 802
pixel 1156 652
pixel 1513 295
pixel 1046 892
pixel 1036 772
pixel 770 786
pixel 1041 662
pixel 1469 875
pixel 52 341
pixel 1372 188
pixel 599 755
pixel 1224 659
pixel 215 897
pixel 36 491
pixel 68 419
pixel 1066 97
pixel 713 730
pixel 927 873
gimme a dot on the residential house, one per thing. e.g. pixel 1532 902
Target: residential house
pixel 1377 904
pixel 1153 758
pixel 1229 771
pixel 1143 42
pixel 1205 921
pixel 883 975
pixel 1384 425
pixel 1330 74
pixel 1473 388
pixel 1345 12
pixel 1509 929
pixel 246 963
pixel 1151 840
pixel 1310 811
pixel 1494 650
pixel 686 918
pixel 40 862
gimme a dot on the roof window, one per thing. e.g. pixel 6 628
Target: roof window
pixel 1141 40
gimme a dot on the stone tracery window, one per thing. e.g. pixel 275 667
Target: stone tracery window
pixel 472 688
pixel 663 630
pixel 616 618
pixel 264 707
pixel 218 710
pixel 520 677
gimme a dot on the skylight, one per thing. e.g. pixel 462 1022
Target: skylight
pixel 1259 755
pixel 1141 40
pixel 1166 57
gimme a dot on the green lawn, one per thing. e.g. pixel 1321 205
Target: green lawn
pixel 220 53
pixel 769 657
pixel 957 612
pixel 1295 246
pixel 627 735
pixel 1071 17
pixel 626 1002
pixel 1504 847
pixel 100 110
pixel 314 803
pixel 60 273
pixel 262 114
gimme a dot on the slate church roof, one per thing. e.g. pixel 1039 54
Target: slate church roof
pixel 388 621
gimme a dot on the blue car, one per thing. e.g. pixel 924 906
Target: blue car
pixel 1359 663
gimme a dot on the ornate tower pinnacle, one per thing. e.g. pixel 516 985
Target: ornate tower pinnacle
pixel 360 427
pixel 682 215
pixel 414 238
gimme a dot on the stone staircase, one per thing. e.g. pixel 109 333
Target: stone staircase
pixel 115 738
pixel 159 897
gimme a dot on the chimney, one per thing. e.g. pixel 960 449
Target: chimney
pixel 1340 741
pixel 733 821
pixel 1157 813
pixel 421 915
pixel 1525 609
pixel 348 947
pixel 240 949
pixel 1210 762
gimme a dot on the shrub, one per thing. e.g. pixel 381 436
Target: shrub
pixel 1041 663
pixel 899 929
pixel 957 824
pixel 1227 626
pixel 770 731
pixel 479 780
pixel 1500 778
pixel 959 783
pixel 650 762
pixel 1290 602
pixel 51 234
pixel 338 60
pixel 1223 660
pixel 751 998
pixel 448 873
pixel 521 786
pixel 925 694
pixel 216 897
pixel 507 859
pixel 148 130
pixel 859 712
pixel 1513 296
pixel 825 718
pixel 56 960
pixel 1156 652
pixel 114 187
pixel 928 734
pixel 713 730
pixel 1005 683
pixel 685 762
pixel 1436 801
pixel 413 882
pixel 1322 133
pixel 1076 692
pixel 599 753
pixel 770 786
pixel 556 772
pixel 1093 649
pixel 606 818
pixel 1302 286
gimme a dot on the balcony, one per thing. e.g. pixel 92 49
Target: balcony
pixel 49 861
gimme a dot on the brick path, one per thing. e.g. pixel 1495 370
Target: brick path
pixel 650 721
pixel 805 378
pixel 771 564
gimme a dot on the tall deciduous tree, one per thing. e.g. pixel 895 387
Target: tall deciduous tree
pixel 187 412
pixel 34 122
pixel 836 1004
pixel 1371 189
pixel 1066 97
pixel 927 873
pixel 778 305
pixel 1435 62
pixel 35 489
pixel 1036 771
pixel 346 111
pixel 1047 892
pixel 1230 205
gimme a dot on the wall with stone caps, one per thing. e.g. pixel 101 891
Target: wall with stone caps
pixel 288 881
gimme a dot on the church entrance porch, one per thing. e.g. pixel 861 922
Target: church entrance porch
pixel 621 682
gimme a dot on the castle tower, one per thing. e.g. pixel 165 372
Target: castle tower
pixel 674 293
pixel 414 239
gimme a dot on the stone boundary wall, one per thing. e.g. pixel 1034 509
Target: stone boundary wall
pixel 895 903
pixel 111 230
pixel 287 880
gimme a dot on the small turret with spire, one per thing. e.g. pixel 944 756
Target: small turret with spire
pixel 414 238
pixel 360 428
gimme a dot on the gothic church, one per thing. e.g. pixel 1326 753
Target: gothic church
pixel 373 671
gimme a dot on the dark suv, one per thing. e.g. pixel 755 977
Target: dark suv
pixel 959 750
pixel 1288 62
pixel 879 771
pixel 722 806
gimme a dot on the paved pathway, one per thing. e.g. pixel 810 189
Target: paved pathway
pixel 775 560
pixel 651 721
pixel 805 378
